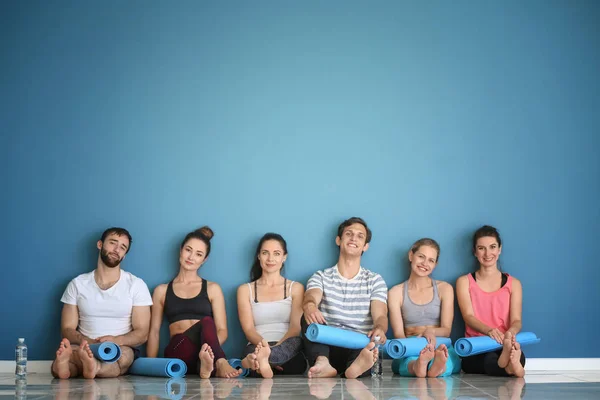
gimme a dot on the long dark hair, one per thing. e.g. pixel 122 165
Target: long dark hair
pixel 256 270
pixel 204 234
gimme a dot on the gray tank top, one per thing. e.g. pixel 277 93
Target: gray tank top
pixel 272 318
pixel 421 314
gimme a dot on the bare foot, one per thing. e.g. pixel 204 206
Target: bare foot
pixel 224 370
pixel 207 391
pixel 507 346
pixel 249 362
pixel 515 361
pixel 438 366
pixel 89 363
pixel 363 362
pixel 358 390
pixel 264 368
pixel 322 388
pixel 419 366
pixel 61 364
pixel 226 386
pixel 322 369
pixel 207 360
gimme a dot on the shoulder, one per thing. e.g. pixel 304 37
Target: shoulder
pixel 83 279
pixel 371 276
pixel 131 277
pixel 395 293
pixel 516 284
pixel 297 287
pixel 161 289
pixel 327 271
pixel 462 280
pixel 397 290
pixel 243 288
pixel 213 287
pixel 444 287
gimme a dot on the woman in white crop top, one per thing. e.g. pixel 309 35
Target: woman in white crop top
pixel 269 308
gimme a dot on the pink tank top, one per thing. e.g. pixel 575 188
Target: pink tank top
pixel 493 309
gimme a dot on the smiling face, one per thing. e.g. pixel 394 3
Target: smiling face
pixel 113 249
pixel 487 251
pixel 353 241
pixel 423 260
pixel 193 254
pixel 271 256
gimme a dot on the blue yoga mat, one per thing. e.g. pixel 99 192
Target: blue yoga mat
pixel 336 336
pixel 167 367
pixel 173 388
pixel 410 347
pixel 237 364
pixel 106 351
pixel 482 344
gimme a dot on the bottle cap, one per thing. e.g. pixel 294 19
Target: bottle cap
pixel 21 340
pixel 377 338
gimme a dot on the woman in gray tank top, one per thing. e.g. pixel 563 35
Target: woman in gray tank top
pixel 424 307
pixel 269 308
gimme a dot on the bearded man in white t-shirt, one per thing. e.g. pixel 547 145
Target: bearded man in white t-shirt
pixel 105 305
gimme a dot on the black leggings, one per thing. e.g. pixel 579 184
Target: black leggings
pixel 339 358
pixel 486 363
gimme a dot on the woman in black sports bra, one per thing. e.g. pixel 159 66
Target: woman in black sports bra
pixel 195 310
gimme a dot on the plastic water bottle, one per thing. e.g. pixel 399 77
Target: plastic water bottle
pixel 21 388
pixel 377 369
pixel 21 359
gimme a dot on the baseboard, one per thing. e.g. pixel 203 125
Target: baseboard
pixel 533 364
pixel 36 367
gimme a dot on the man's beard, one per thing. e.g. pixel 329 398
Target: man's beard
pixel 110 262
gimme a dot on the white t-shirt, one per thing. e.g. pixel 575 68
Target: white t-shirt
pixel 106 312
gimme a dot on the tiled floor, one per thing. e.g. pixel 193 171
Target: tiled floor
pixel 577 385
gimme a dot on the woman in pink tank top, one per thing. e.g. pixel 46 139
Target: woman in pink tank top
pixel 491 305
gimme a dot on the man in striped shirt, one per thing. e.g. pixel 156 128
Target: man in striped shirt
pixel 346 296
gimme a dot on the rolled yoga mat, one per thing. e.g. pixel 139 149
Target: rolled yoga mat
pixel 482 344
pixel 167 367
pixel 410 347
pixel 237 364
pixel 336 336
pixel 106 351
pixel 173 388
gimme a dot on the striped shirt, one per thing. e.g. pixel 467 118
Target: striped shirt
pixel 346 303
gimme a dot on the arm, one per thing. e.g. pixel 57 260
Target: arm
pixel 245 315
pixel 140 322
pixel 447 312
pixel 466 307
pixel 379 312
pixel 516 307
pixel 217 302
pixel 310 306
pixel 395 311
pixel 158 300
pixel 296 314
pixel 68 325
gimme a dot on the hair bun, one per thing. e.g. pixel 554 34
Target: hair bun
pixel 206 231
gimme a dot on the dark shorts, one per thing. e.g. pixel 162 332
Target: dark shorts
pixel 137 353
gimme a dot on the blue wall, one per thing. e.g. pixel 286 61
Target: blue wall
pixel 426 119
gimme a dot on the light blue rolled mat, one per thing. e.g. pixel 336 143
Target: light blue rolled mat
pixel 237 364
pixel 482 344
pixel 167 367
pixel 336 336
pixel 410 347
pixel 106 351
pixel 174 388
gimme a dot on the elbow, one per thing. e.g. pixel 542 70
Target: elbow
pixel 144 336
